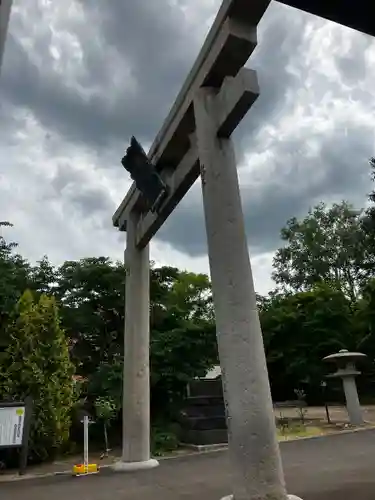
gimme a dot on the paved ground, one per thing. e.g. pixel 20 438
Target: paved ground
pixel 315 418
pixel 337 413
pixel 339 467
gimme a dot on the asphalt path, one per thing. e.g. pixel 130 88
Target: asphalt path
pixel 339 467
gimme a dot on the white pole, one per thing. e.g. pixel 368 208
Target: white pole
pixel 86 443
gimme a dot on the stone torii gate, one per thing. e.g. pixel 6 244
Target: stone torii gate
pixel 196 140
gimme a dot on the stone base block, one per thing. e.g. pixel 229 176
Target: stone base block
pixel 133 466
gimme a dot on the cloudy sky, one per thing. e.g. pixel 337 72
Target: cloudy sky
pixel 80 77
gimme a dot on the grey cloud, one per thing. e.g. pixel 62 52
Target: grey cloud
pixel 157 49
pixel 280 33
pixel 92 201
pixel 57 107
pixel 295 184
pixel 73 188
pixel 64 176
pixel 130 73
pixel 352 65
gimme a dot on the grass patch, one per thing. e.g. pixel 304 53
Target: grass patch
pixel 298 432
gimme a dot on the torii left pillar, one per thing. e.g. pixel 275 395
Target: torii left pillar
pixel 136 383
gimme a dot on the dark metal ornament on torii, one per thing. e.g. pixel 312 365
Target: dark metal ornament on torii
pixel 146 178
pixel 194 140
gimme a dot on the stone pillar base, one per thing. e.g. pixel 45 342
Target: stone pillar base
pixel 133 466
pixel 290 497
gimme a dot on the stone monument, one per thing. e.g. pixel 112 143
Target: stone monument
pixel 346 370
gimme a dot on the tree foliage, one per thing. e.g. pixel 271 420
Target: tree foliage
pixel 299 330
pixel 368 224
pixel 183 335
pixel 91 293
pixel 14 279
pixel 37 364
pixel 327 246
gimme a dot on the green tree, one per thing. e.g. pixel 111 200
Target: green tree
pixel 105 410
pixel 91 293
pixel 368 226
pixel 43 277
pixel 14 279
pixel 37 363
pixel 183 339
pixel 299 330
pixel 365 320
pixel 327 246
pixel 106 382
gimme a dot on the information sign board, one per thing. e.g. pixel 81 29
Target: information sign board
pixel 15 419
pixel 12 420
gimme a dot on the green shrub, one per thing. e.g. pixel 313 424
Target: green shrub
pixel 163 441
pixel 37 363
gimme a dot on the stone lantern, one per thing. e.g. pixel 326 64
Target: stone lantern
pixel 346 370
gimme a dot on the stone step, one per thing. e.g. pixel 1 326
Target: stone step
pixel 204 401
pixel 204 423
pixel 206 387
pixel 216 410
pixel 201 437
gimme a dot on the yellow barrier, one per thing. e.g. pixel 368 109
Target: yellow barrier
pixel 80 469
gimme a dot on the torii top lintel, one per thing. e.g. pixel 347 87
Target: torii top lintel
pixel 228 45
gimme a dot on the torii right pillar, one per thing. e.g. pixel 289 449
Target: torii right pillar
pixel 252 439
